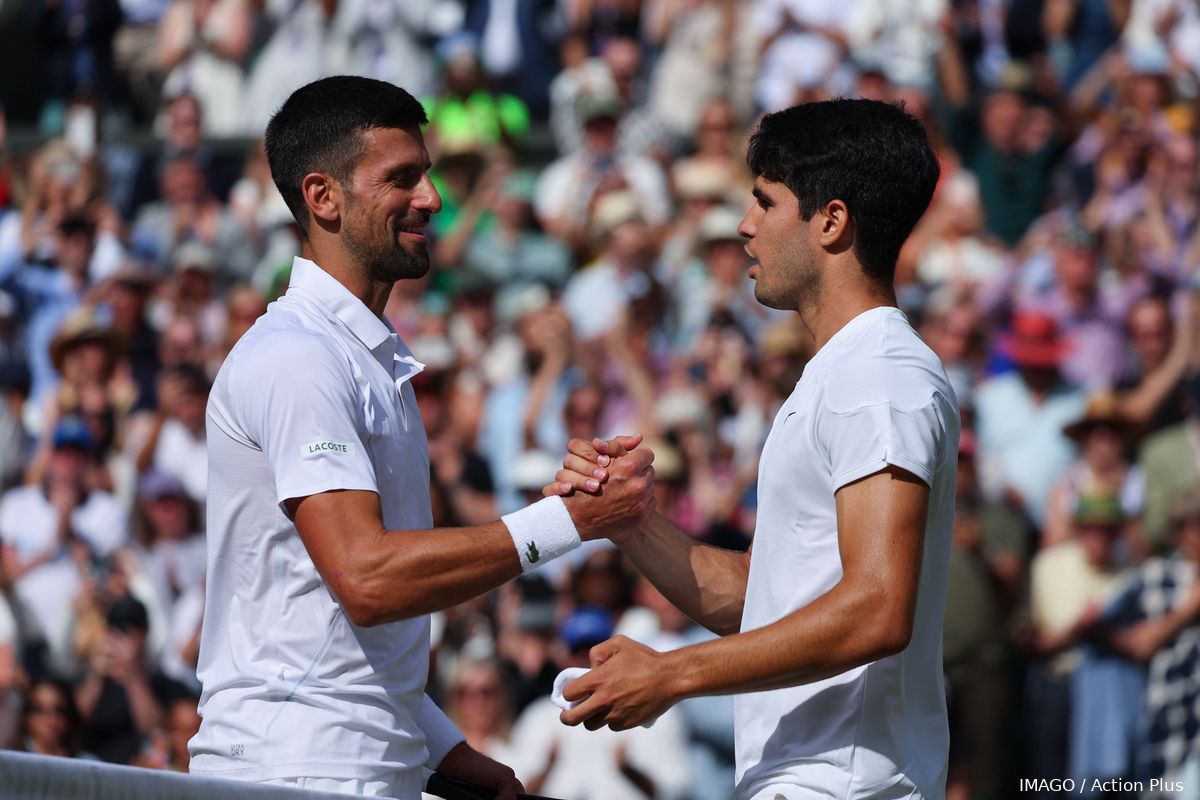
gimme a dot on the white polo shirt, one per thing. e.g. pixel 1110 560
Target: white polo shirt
pixel 874 395
pixel 314 397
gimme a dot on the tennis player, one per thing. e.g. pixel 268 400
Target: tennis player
pixel 833 623
pixel 322 567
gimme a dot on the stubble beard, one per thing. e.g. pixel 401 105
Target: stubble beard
pixel 797 285
pixel 384 262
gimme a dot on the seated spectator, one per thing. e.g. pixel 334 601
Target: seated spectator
pixel 1155 621
pixel 49 722
pixel 1022 446
pixel 513 254
pixel 189 212
pixel 568 187
pixel 481 706
pixel 466 110
pixel 171 544
pixel 597 296
pixel 50 532
pixel 173 441
pixel 1152 393
pixel 562 761
pixel 1097 355
pixel 120 698
pixel 202 49
pixel 183 136
pixel 1103 436
pixel 1070 585
pixel 715 285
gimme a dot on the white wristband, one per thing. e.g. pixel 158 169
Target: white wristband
pixel 542 532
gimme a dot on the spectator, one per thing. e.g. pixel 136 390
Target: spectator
pixel 1152 395
pixel 50 723
pixel 119 698
pixel 573 762
pixel 481 707
pixel 1103 436
pixel 1169 461
pixel 1071 583
pixel 1154 622
pixel 50 533
pixel 1022 447
pixel 188 212
pixel 202 48
pixel 568 187
pixel 173 441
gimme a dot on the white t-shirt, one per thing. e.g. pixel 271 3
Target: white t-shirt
pixel 29 524
pixel 314 398
pixel 874 395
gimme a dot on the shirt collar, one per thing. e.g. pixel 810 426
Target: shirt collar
pixel 376 333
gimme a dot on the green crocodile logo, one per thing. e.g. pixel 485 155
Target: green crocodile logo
pixel 531 552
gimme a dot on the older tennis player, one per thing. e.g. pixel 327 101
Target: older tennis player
pixel 322 567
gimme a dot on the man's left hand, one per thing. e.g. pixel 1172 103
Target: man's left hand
pixel 629 685
pixel 470 765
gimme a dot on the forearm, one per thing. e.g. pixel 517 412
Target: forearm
pixel 87 695
pixel 408 573
pixel 839 631
pixel 706 583
pixel 142 706
pixel 1143 640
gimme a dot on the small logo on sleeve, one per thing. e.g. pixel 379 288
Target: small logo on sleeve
pixel 325 448
pixel 531 552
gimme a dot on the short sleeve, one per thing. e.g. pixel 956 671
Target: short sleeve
pixel 302 406
pixel 865 440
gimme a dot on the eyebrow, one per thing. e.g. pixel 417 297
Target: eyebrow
pixel 761 196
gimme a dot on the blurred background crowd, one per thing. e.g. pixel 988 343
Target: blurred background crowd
pixel 588 279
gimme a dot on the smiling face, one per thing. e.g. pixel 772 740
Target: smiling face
pixel 388 203
pixel 786 275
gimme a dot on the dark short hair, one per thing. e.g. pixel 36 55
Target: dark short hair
pixel 873 156
pixel 318 129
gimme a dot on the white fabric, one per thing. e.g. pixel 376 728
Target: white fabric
pixel 184 456
pixel 560 682
pixel 873 396
pixel 542 532
pixel 798 58
pixel 586 763
pixel 566 187
pixel 28 524
pixel 314 398
pixel 500 50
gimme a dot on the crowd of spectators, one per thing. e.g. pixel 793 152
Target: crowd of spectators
pixel 588 278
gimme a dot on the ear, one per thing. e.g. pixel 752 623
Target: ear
pixel 323 196
pixel 836 229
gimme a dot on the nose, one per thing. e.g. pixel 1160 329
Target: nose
pixel 745 228
pixel 426 197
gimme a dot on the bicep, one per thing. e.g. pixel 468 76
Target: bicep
pixel 881 535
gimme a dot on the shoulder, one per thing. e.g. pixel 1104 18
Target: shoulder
pixel 17 498
pixel 288 345
pixel 884 361
pixel 1161 444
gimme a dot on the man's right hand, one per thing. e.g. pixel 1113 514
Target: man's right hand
pixel 615 480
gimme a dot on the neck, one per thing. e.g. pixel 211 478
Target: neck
pixel 840 301
pixel 339 264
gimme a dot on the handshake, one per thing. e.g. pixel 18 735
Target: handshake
pixel 607 486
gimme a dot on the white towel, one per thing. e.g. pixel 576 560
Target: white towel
pixel 566 676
